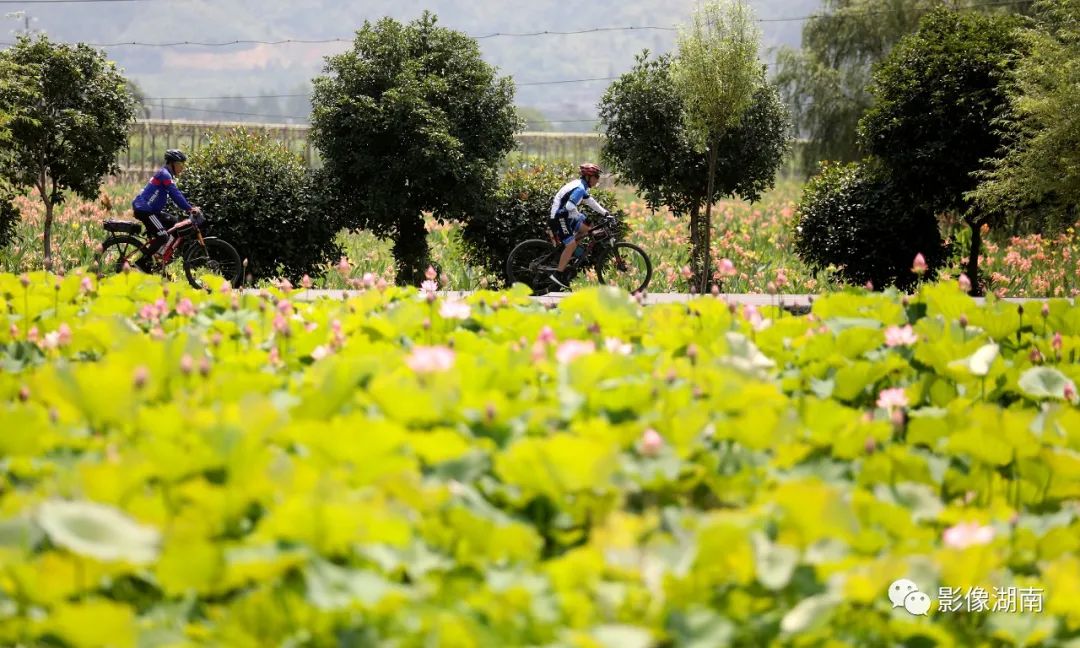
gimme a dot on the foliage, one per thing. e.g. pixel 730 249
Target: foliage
pixel 9 213
pixel 648 144
pixel 518 210
pixel 412 119
pixel 856 216
pixel 260 198
pixel 1036 184
pixel 716 74
pixel 825 82
pixel 938 96
pixel 69 110
pixel 266 470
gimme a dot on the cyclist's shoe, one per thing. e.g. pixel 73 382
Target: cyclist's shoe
pixel 560 280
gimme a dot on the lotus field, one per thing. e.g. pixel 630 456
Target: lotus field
pixel 403 468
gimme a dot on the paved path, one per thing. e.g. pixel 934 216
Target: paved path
pixel 794 303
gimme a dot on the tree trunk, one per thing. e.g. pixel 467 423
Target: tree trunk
pixel 46 236
pixel 973 255
pixel 707 225
pixel 695 233
pixel 411 253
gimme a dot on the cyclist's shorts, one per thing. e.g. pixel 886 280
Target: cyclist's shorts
pixel 565 227
pixel 156 223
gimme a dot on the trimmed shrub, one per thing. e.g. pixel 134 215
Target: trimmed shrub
pixel 9 214
pixel 855 216
pixel 260 197
pixel 519 210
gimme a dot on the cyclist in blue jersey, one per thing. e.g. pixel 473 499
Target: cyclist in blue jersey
pixel 150 202
pixel 567 221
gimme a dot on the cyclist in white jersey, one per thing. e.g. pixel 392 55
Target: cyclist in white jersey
pixel 566 219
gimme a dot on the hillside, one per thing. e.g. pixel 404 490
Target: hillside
pixel 174 73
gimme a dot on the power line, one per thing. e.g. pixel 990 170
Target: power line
pixel 229 112
pixel 36 2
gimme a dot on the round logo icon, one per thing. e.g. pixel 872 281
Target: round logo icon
pixel 899 590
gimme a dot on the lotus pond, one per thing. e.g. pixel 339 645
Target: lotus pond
pixel 399 469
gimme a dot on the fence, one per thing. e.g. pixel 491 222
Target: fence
pixel 149 138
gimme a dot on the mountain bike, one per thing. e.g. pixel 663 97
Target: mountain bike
pixel 615 262
pixel 201 254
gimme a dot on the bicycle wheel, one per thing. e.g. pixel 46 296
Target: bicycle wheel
pixel 530 263
pixel 216 257
pixel 115 251
pixel 626 267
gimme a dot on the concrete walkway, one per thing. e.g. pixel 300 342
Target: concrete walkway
pixel 793 303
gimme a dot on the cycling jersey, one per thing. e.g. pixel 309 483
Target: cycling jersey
pixel 157 193
pixel 566 218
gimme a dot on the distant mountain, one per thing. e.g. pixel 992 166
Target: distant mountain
pixel 171 74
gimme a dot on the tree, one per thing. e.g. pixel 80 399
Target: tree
pixel 534 119
pixel 272 215
pixel 70 110
pixel 411 119
pixel 937 97
pixel 142 105
pixel 857 217
pixel 647 141
pixel 1036 183
pixel 716 74
pixel 825 82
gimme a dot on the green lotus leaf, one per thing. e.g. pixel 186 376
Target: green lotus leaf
pixel 1044 382
pixel 98 531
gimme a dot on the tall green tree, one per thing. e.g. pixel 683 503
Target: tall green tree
pixel 648 142
pixel 716 74
pixel 1035 185
pixel 826 81
pixel 411 119
pixel 70 111
pixel 937 98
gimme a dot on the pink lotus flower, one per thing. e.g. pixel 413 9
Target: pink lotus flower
pixel 368 279
pixel 651 443
pixel 51 341
pixel 425 359
pixel 752 315
pixel 962 536
pixel 965 283
pixel 896 336
pixel 185 307
pixel 186 364
pixel 617 346
pixel 1070 391
pixel 306 282
pixel 1056 342
pixel 571 349
pixel 429 287
pixel 319 352
pixel 343 266
pixel 919 266
pixel 547 336
pixel 870 285
pixel 281 325
pixel 686 272
pixel 781 279
pixel 430 273
pixel 891 399
pixel 455 310
pixel 86 285
pixel 64 335
pixel 727 268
